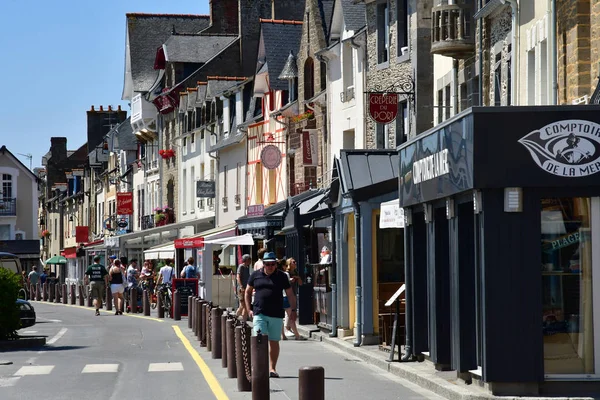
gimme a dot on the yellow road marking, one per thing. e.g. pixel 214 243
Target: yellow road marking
pixel 208 375
pixel 92 309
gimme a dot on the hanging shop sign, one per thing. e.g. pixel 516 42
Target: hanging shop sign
pixel 569 148
pixel 125 203
pixel 270 156
pixel 256 210
pixel 205 189
pixel 309 148
pixel 383 107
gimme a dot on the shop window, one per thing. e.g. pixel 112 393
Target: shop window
pixel 566 245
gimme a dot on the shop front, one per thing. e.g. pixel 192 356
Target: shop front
pixel 264 224
pixel 502 248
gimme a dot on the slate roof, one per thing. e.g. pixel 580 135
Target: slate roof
pixel 290 69
pixel 201 94
pixel 146 33
pixel 127 140
pixel 195 48
pixel 326 9
pixel 354 15
pixel 279 38
pixel 218 84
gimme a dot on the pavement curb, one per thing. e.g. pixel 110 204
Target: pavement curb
pixel 411 372
pixel 23 342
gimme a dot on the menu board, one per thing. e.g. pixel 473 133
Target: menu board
pixel 186 287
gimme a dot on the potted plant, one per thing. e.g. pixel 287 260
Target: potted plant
pixel 45 233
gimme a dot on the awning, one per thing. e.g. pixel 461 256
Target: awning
pixel 218 232
pixel 392 215
pixel 161 252
pixel 70 252
pixel 242 240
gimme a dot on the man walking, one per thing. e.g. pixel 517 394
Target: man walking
pixel 33 278
pixel 190 271
pixel 243 273
pixel 268 284
pixel 97 276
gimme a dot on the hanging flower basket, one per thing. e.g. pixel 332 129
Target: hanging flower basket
pixel 166 154
pixel 45 233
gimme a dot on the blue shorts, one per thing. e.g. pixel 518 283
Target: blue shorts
pixel 270 326
pixel 286 303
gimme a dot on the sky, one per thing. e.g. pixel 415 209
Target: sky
pixel 60 57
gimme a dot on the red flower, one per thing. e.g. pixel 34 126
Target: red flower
pixel 161 152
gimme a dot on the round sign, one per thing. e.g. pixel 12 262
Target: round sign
pixel 122 223
pixel 270 156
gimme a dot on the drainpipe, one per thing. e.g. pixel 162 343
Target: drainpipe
pixel 514 53
pixel 358 294
pixel 159 122
pixel 480 82
pixel 333 274
pixel 553 53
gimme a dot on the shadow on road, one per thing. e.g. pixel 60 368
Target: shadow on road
pixel 295 377
pixel 63 348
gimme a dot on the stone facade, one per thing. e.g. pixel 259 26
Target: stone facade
pixel 574 48
pixel 497 46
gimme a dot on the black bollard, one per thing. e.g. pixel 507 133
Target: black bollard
pixel 176 306
pixel 198 307
pixel 72 294
pixel 65 297
pixel 38 292
pixel 223 339
pixel 260 366
pixel 230 339
pixel 243 360
pixel 90 299
pixel 45 291
pixel 57 293
pixel 133 306
pixel 146 304
pixel 160 307
pixel 201 323
pixel 51 291
pixel 311 383
pixel 81 296
pixel 191 305
pixel 109 299
pixel 207 327
pixel 215 333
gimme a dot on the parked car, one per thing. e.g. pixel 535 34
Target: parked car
pixel 27 313
pixel 10 262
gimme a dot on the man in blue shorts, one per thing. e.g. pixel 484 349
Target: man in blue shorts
pixel 268 284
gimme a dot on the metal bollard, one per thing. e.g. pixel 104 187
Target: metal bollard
pixel 207 329
pixel 215 333
pixel 201 323
pixel 57 293
pixel 260 366
pixel 133 300
pixel 160 307
pixel 230 339
pixel 191 305
pixel 45 291
pixel 223 339
pixel 38 292
pixel 81 296
pixel 65 297
pixel 72 293
pixel 90 300
pixel 51 291
pixel 146 303
pixel 198 307
pixel 32 292
pixel 109 299
pixel 311 383
pixel 242 364
pixel 176 306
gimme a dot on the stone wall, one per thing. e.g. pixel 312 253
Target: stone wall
pixel 499 31
pixel 574 48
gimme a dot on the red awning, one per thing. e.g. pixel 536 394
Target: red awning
pixel 69 252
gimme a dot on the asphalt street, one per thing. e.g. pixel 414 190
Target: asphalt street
pixel 135 357
pixel 104 357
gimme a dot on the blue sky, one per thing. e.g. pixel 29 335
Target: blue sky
pixel 59 58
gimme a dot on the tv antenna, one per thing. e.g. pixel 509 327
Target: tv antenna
pixel 29 157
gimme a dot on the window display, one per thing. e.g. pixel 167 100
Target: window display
pixel 567 286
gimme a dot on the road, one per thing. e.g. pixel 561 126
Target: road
pixel 104 357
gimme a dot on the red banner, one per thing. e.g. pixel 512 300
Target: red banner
pixel 309 148
pixel 82 234
pixel 189 243
pixel 125 203
pixel 383 108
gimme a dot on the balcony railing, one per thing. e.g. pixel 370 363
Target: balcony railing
pixel 8 207
pixel 452 30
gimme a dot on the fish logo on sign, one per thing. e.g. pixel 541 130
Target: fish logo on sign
pixel 569 148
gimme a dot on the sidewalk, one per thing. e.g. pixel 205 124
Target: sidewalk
pixel 346 376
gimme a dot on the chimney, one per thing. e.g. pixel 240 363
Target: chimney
pixel 223 17
pixel 101 108
pixel 58 149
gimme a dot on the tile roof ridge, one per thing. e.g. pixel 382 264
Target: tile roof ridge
pixel 192 89
pixel 226 78
pixel 202 34
pixel 281 21
pixel 150 15
pixel 201 83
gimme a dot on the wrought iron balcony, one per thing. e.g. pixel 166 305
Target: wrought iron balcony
pixel 452 30
pixel 8 207
pixel 147 222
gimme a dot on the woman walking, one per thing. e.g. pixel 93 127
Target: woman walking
pixel 291 269
pixel 117 288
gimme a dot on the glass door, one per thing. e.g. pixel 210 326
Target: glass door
pixel 569 285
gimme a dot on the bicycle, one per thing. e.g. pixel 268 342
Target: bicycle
pixel 164 291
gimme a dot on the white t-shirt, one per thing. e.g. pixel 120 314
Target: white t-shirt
pixel 167 273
